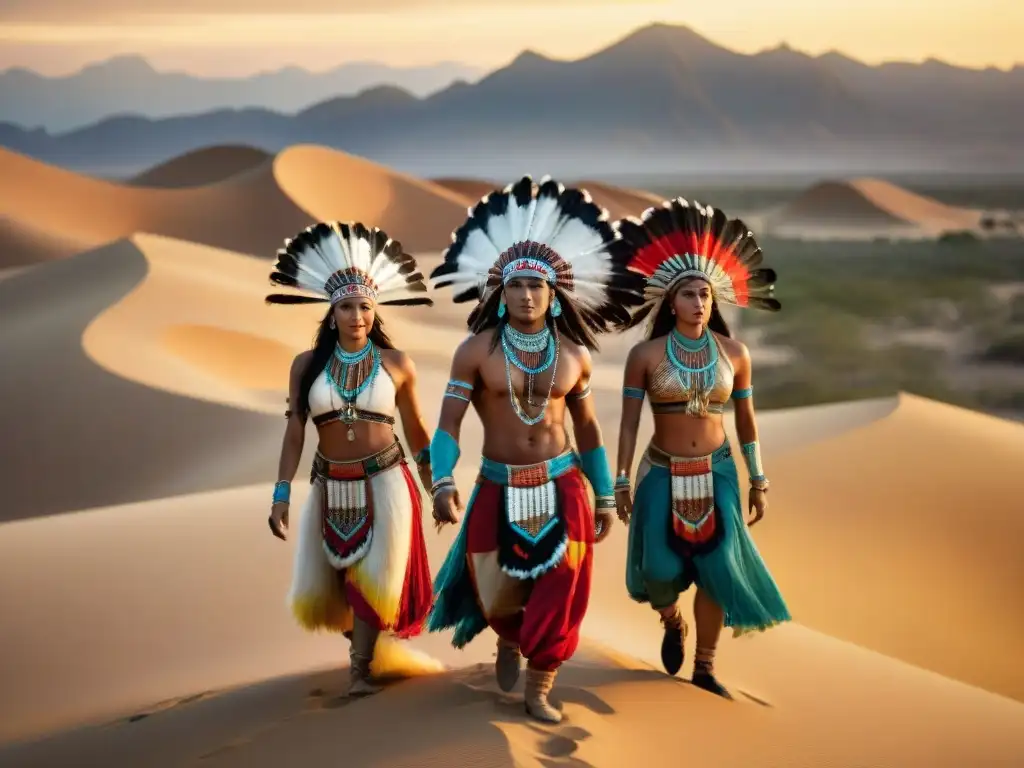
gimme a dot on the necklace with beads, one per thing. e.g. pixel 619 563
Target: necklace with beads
pixel 349 374
pixel 533 354
pixel 695 363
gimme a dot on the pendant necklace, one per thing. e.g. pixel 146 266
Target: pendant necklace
pixel 349 374
pixel 695 362
pixel 531 353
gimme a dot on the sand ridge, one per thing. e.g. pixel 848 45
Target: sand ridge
pixel 251 212
pixel 201 167
pixel 865 208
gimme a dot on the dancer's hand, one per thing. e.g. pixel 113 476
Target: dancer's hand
pixel 758 504
pixel 447 507
pixel 603 521
pixel 279 520
pixel 423 470
pixel 624 504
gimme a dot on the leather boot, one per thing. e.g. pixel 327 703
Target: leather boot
pixel 364 638
pixel 704 673
pixel 507 665
pixel 538 686
pixel 673 642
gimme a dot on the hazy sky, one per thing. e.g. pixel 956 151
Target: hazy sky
pixel 232 37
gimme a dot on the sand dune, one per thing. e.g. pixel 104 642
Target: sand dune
pixel 203 166
pixel 911 531
pixel 250 212
pixel 23 244
pixel 161 634
pixel 866 208
pixel 86 437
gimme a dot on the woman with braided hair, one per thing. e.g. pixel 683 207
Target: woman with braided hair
pixel 686 521
pixel 361 561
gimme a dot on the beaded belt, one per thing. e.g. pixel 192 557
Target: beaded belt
pixel 359 468
pixel 660 458
pixel 528 475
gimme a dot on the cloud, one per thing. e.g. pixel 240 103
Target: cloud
pixel 63 12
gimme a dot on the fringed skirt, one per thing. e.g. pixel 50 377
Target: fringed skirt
pixel 688 528
pixel 360 547
pixel 522 560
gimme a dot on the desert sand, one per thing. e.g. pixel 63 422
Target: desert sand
pixel 144 598
pixel 203 166
pixel 866 208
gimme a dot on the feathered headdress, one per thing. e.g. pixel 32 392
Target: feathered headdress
pixel 681 240
pixel 548 232
pixel 337 261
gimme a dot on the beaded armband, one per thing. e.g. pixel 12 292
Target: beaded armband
pixel 742 394
pixel 282 492
pixel 460 390
pixel 634 393
pixel 422 456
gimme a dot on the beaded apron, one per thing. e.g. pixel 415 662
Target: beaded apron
pixel 346 509
pixel 695 520
pixel 532 535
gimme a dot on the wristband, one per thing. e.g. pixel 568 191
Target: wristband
pixel 598 472
pixel 423 455
pixel 752 457
pixel 282 492
pixel 444 455
pixel 604 502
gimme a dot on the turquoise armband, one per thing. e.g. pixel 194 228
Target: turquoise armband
pixel 460 390
pixel 633 392
pixel 742 394
pixel 598 472
pixel 444 455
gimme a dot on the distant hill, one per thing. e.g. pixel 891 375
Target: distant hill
pixel 129 85
pixel 202 166
pixel 661 99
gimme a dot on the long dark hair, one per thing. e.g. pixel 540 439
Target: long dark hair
pixel 323 347
pixel 569 324
pixel 665 321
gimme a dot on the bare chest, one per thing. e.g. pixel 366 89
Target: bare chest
pixel 498 374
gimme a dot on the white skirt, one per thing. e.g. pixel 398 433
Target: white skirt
pixel 319 596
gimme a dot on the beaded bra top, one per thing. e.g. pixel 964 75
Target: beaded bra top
pixel 666 388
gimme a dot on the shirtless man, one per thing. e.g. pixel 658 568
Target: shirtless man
pixel 537 260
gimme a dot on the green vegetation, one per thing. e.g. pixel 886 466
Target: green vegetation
pixel 870 319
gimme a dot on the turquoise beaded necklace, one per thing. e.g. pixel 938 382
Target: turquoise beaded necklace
pixel 343 369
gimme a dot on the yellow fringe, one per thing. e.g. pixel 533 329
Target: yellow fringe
pixel 315 614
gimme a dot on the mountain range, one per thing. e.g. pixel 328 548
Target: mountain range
pixel 130 85
pixel 662 98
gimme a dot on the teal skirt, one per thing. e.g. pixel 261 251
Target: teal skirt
pixel 732 572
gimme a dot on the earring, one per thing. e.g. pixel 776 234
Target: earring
pixel 501 307
pixel 556 307
pixel 332 324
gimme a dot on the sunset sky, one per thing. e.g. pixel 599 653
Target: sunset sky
pixel 236 37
